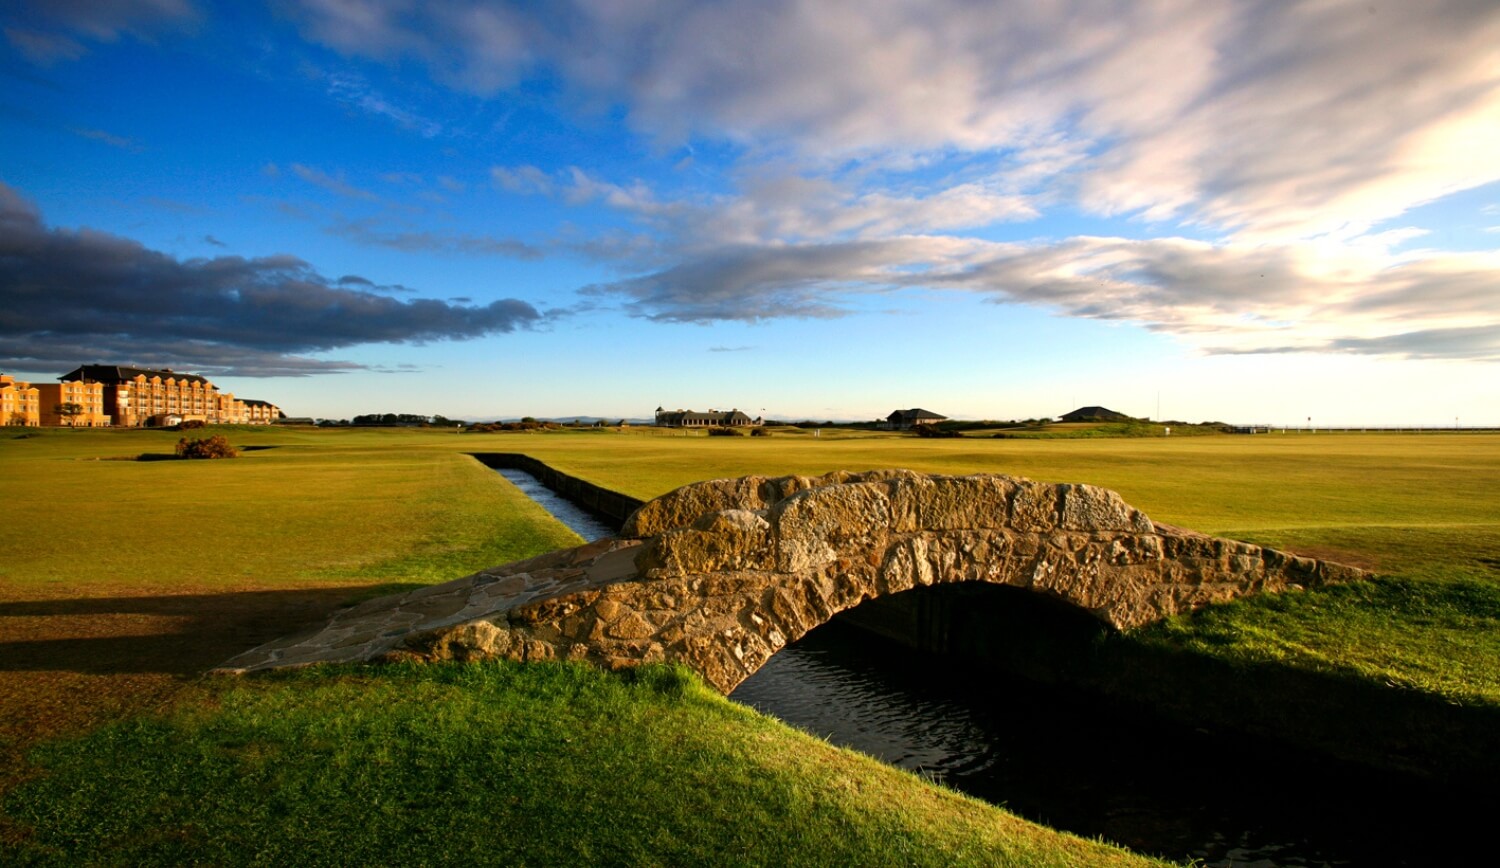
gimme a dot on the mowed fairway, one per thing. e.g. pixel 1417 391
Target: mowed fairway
pixel 118 578
pixel 1404 502
pixel 1422 510
pixel 123 580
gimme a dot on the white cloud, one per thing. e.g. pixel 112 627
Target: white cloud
pixel 1284 119
pixel 1232 298
pixel 874 140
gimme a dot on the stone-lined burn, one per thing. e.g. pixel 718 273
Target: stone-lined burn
pixel 720 575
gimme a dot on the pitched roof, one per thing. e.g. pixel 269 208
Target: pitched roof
pixel 124 373
pixel 1094 414
pixel 914 414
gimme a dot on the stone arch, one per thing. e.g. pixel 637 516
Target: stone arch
pixel 721 575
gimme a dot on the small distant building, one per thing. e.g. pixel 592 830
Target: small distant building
pixel 711 419
pixel 905 420
pixel 19 404
pixel 261 412
pixel 1095 414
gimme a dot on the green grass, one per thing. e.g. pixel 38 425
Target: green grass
pixel 362 508
pixel 1438 638
pixel 298 509
pixel 1423 510
pixel 504 763
pixel 500 763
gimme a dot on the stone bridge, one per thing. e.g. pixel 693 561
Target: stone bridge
pixel 720 575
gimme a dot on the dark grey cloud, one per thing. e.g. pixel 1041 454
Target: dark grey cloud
pixel 1470 343
pixel 209 239
pixel 59 354
pixel 749 283
pixel 1478 343
pixel 87 290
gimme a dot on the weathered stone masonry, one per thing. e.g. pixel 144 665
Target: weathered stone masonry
pixel 720 575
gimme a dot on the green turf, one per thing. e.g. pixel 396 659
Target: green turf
pixel 500 763
pixel 1422 509
pixel 292 510
pixel 366 507
pixel 508 764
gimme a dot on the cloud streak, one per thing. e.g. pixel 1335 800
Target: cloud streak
pixel 84 294
pixel 1219 298
pixel 332 183
pixel 47 31
pixel 365 232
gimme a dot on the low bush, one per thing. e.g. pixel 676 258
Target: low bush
pixel 189 425
pixel 206 447
pixel 759 432
pixel 527 424
pixel 723 432
pixel 934 431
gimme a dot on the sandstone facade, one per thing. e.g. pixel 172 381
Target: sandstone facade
pixel 720 575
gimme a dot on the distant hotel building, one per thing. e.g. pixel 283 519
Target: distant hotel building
pixel 130 397
pixel 87 400
pixel 18 402
pixel 711 419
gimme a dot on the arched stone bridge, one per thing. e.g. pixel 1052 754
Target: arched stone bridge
pixel 720 575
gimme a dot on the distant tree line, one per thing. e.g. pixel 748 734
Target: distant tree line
pixel 435 421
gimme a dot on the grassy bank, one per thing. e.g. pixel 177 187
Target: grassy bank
pixel 498 764
pixel 121 580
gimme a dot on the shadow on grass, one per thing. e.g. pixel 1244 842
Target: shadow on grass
pixel 174 634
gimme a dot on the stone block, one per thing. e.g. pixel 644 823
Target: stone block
pixel 1034 507
pixel 816 527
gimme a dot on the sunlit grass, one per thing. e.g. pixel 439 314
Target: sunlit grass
pixel 285 514
pixel 497 763
pixel 362 508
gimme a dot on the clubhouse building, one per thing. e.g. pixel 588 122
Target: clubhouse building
pixel 711 419
pixel 905 420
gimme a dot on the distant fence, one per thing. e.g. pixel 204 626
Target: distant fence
pixel 611 506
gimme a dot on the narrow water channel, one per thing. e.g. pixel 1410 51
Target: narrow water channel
pixel 1076 764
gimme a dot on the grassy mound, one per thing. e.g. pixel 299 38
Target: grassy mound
pixel 502 763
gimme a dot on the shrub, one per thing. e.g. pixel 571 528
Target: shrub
pixel 760 432
pixel 723 432
pixel 207 447
pixel 189 425
pixel 523 425
pixel 933 431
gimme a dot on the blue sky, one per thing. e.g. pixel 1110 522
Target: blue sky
pixel 1249 212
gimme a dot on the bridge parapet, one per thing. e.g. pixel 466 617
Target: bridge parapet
pixel 722 574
